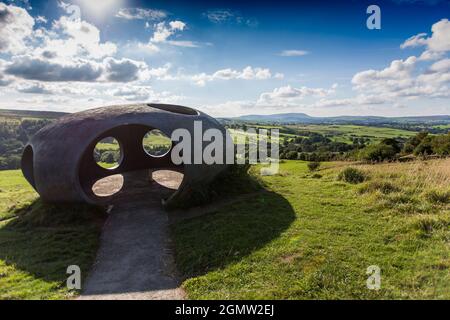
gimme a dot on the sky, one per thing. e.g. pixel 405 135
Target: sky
pixel 227 58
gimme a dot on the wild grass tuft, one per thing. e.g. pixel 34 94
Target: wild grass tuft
pixel 352 175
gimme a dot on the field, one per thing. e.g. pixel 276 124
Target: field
pixel 38 241
pixel 338 133
pixel 308 235
pixel 343 133
pixel 302 235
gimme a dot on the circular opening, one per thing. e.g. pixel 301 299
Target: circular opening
pixel 175 109
pixel 107 153
pixel 156 143
pixel 168 178
pixel 108 186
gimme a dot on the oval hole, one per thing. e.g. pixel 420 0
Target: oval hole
pixel 168 178
pixel 156 143
pixel 107 153
pixel 175 109
pixel 108 186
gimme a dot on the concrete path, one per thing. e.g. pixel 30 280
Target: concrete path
pixel 135 259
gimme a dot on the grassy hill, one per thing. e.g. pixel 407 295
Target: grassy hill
pixel 309 235
pixel 38 241
pixel 29 114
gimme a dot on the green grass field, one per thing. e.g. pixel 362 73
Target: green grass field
pixel 310 236
pixel 343 133
pixel 338 133
pixel 38 241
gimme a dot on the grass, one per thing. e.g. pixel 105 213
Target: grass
pixel 314 237
pixel 39 241
pixel 343 133
pixel 338 133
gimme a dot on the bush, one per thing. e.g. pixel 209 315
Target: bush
pixel 352 175
pixel 378 152
pixel 110 156
pixel 313 166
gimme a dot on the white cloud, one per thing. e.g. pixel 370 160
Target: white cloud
pixel 440 66
pixel 33 87
pixel 291 94
pixel 248 73
pixel 16 27
pixel 143 93
pixel 123 70
pixel 293 53
pixel 32 68
pixel 110 69
pixel 403 79
pixel 415 41
pixel 184 43
pixel 41 19
pixel 162 31
pixel 437 44
pixel 141 14
pixel 79 38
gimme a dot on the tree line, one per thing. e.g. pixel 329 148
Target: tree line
pixel 14 136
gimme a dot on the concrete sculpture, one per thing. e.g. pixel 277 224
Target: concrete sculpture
pixel 58 161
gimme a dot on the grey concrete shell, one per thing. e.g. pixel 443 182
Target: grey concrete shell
pixel 58 161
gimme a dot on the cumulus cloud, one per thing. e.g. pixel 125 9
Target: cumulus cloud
pixel 132 93
pixel 164 31
pixel 143 93
pixel 404 79
pixel 436 45
pixel 16 27
pixel 34 87
pixel 123 70
pixel 78 38
pixel 293 53
pixel 141 14
pixel 32 68
pixel 4 81
pixel 286 93
pixel 248 73
pixel 162 34
pixel 110 69
pixel 413 77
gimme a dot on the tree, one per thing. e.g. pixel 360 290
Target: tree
pixel 378 152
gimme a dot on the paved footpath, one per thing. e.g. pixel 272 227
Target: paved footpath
pixel 135 259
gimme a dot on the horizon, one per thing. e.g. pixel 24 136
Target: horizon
pixel 254 114
pixel 227 59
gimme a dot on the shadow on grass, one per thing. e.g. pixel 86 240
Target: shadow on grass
pixel 213 241
pixel 43 240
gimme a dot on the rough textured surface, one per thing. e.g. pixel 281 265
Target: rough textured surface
pixel 135 259
pixel 58 161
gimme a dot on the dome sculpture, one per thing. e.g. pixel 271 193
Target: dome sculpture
pixel 59 163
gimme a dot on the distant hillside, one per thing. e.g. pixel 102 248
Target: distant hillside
pixel 362 120
pixel 30 114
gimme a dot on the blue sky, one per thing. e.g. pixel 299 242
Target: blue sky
pixel 227 58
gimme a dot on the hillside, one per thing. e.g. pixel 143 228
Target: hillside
pixel 311 236
pixel 38 241
pixel 361 120
pixel 27 114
